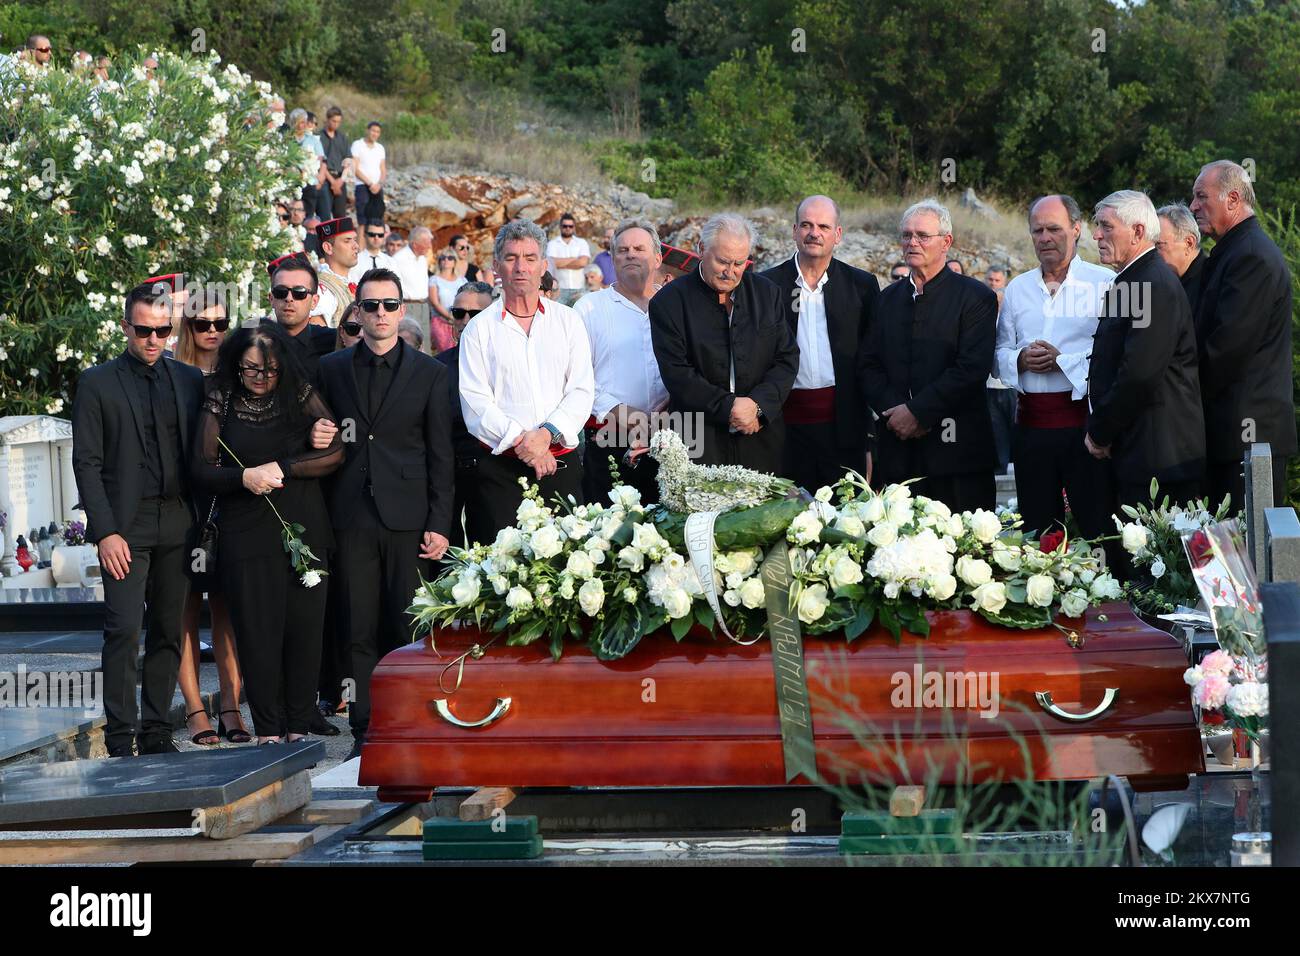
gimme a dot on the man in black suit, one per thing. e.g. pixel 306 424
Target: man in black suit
pixel 1243 335
pixel 132 425
pixel 1143 389
pixel 471 299
pixel 924 366
pixel 390 503
pixel 828 306
pixel 294 293
pixel 725 350
pixel 1180 246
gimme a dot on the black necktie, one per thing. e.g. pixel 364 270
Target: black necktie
pixel 374 261
pixel 166 454
pixel 378 383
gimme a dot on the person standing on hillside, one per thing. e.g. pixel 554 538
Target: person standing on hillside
pixel 332 199
pixel 1243 334
pixel 828 306
pixel 371 168
pixel 411 263
pixel 569 255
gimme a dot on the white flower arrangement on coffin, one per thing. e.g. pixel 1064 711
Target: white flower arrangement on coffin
pixel 611 574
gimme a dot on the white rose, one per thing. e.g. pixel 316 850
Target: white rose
pixel 509 541
pixel 732 597
pixel 646 538
pixel 676 602
pixel 591 597
pixel 804 529
pixel 1193 676
pixel 1134 538
pixel 1074 603
pixel 626 497
pixel 824 494
pixel 631 559
pixel 752 594
pixel 742 562
pixel 546 542
pixel 580 565
pixel 899 512
pixel 465 591
pixel 991 597
pixel 813 603
pixel 1158 568
pixel 566 587
pixel 629 595
pixel 954 526
pixel 1104 588
pixel 874 510
pixel 310 579
pixel 892 589
pixel 985 525
pixel 882 535
pixel 518 597
pixel 844 571
pixel 897 493
pixel 1008 559
pixel 943 587
pixel 935 507
pixel 1039 590
pixel 851 526
pixel 973 571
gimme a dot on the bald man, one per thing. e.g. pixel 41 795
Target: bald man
pixel 828 304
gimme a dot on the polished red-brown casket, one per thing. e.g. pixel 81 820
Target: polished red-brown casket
pixel 703 712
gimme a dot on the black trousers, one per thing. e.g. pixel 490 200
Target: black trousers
pixel 277 624
pixel 1229 478
pixel 597 481
pixel 336 656
pixel 1049 460
pixel 965 492
pixel 157 539
pixel 495 495
pixel 1002 411
pixel 377 574
pixel 330 206
pixel 813 459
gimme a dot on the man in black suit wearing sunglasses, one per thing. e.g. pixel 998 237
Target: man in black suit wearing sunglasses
pixel 391 501
pixel 132 425
pixel 294 286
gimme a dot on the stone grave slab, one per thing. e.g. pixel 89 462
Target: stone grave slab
pixel 23 729
pixel 157 783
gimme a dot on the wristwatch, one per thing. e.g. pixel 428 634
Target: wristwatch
pixel 556 437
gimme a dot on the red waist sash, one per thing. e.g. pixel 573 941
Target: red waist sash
pixel 810 406
pixel 1050 410
pixel 557 450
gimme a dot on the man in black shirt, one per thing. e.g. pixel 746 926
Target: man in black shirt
pixel 132 425
pixel 924 366
pixel 332 197
pixel 294 287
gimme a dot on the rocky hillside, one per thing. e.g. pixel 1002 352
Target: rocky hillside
pixel 451 200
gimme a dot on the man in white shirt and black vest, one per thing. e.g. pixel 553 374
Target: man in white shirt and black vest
pixel 828 306
pixel 1044 339
pixel 339 249
pixel 526 384
pixel 629 390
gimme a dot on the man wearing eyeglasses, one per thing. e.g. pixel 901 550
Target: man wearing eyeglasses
pixel 132 426
pixel 40 50
pixel 294 294
pixel 391 502
pixel 526 385
pixel 471 299
pixel 339 252
pixel 923 368
pixel 373 255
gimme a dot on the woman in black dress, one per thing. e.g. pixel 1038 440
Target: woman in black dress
pixel 254 450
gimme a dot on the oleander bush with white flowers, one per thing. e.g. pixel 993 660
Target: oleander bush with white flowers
pixel 104 186
pixel 609 575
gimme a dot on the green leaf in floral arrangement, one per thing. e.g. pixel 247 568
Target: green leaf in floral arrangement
pixel 652 617
pixel 557 646
pixel 1016 592
pixel 704 614
pixel 681 626
pixel 1019 616
pixel 890 622
pixel 866 613
pixel 529 633
pixel 619 637
pixel 917 623
pixel 501 622
pixel 853 592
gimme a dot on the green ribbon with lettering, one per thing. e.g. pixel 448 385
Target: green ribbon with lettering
pixel 792 702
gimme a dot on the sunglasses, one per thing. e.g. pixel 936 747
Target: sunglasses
pixel 282 292
pixel 464 313
pixel 283 216
pixel 352 328
pixel 42 49
pixel 257 374
pixel 207 325
pixel 374 235
pixel 372 305
pixel 144 331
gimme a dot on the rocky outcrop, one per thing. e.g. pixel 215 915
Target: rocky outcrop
pixel 452 200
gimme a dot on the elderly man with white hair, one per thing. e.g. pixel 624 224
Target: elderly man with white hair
pixel 1143 389
pixel 924 366
pixel 1243 334
pixel 726 353
pixel 1180 246
pixel 412 264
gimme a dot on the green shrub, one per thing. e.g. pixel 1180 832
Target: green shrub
pixel 101 188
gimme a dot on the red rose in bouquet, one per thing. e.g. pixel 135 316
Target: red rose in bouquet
pixel 1051 541
pixel 1199 549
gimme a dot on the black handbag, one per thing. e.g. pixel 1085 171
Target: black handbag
pixel 204 552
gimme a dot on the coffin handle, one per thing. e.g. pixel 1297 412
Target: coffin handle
pixel 498 711
pixel 1044 698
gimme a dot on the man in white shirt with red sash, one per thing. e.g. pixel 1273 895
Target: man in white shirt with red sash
pixel 1044 339
pixel 526 385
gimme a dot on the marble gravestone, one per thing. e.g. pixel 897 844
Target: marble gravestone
pixel 36 481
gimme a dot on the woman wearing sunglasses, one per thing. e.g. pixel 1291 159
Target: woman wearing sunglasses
pixel 253 454
pixel 444 284
pixel 349 330
pixel 200 339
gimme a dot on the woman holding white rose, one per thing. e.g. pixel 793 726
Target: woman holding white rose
pixel 255 455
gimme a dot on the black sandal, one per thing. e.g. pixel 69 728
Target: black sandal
pixel 236 736
pixel 203 737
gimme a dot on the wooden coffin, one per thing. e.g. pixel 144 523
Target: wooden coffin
pixel 703 712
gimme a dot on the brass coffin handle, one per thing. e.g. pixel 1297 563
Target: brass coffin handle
pixel 1044 698
pixel 498 711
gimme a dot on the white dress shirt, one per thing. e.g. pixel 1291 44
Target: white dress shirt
pixel 325 303
pixel 557 248
pixel 812 336
pixel 367 260
pixel 413 270
pixel 621 353
pixel 512 382
pixel 1067 320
